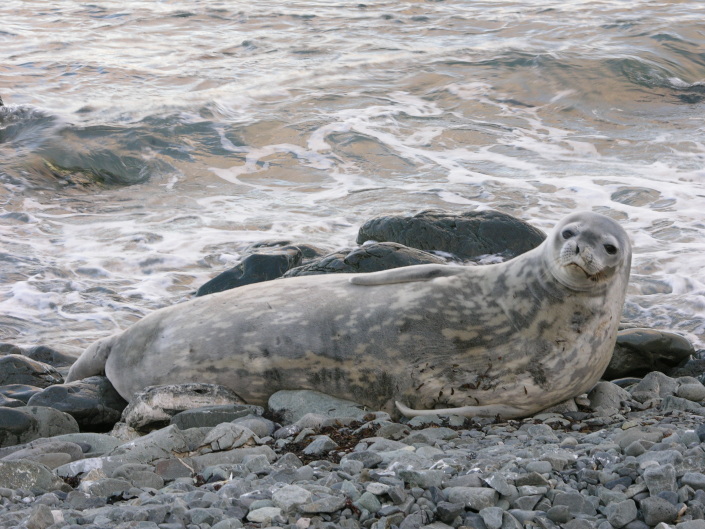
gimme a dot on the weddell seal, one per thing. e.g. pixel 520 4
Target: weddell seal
pixel 506 339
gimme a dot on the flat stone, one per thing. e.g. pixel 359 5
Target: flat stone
pixel 156 405
pixel 210 416
pixel 28 475
pixel 289 497
pixel 290 406
pixel 492 517
pixel 265 514
pixel 475 498
pixel 46 450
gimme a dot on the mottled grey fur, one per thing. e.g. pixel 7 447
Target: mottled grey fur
pixel 508 339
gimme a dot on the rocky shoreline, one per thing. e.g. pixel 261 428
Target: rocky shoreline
pixel 621 457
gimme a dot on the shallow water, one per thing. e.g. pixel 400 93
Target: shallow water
pixel 144 146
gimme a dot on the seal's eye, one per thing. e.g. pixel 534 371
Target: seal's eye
pixel 610 249
pixel 567 234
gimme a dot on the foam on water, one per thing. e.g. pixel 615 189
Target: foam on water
pixel 298 121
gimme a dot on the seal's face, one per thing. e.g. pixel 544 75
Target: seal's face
pixel 586 250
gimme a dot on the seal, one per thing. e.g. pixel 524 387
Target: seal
pixel 507 339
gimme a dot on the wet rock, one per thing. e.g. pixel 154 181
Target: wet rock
pixel 21 392
pixel 28 475
pixel 371 257
pixel 290 406
pixel 257 267
pixel 156 405
pixel 208 416
pixel 466 235
pixel 93 401
pixel 21 425
pixel 6 402
pixel 47 355
pixel 18 369
pixel 640 351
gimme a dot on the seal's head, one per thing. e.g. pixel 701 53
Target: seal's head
pixel 587 250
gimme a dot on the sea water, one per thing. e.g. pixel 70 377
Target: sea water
pixel 147 146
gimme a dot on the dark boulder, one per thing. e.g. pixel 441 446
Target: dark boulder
pixel 371 257
pixel 257 267
pixel 93 402
pixel 465 235
pixel 641 351
pixel 18 369
pixel 21 425
pixel 10 349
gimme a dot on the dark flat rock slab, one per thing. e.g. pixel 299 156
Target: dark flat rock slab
pixel 465 235
pixel 372 257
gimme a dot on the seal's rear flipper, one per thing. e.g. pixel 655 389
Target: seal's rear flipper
pixel 92 360
pixel 406 274
pixel 491 410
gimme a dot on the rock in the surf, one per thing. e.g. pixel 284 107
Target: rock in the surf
pixel 372 257
pixel 18 369
pixel 466 235
pixel 260 266
pixel 640 351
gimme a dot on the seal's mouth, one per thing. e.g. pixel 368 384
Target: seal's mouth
pixel 592 277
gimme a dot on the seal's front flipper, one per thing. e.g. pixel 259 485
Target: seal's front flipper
pixel 406 274
pixel 92 361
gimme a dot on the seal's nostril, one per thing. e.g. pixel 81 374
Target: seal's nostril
pixel 577 249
